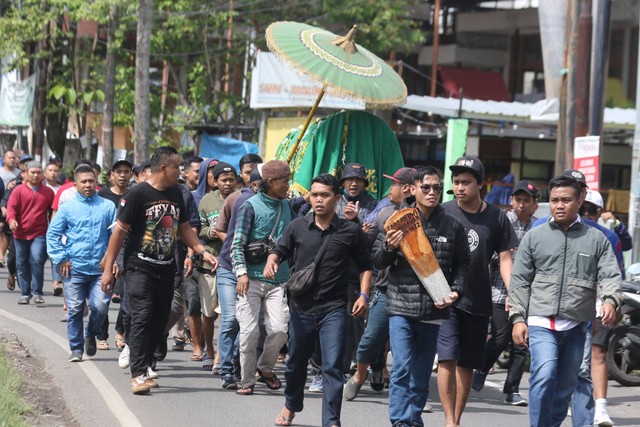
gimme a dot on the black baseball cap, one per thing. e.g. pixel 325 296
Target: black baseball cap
pixel 121 162
pixel 577 175
pixel 222 167
pixel 402 176
pixel 469 164
pixel 256 173
pixel 25 158
pixel 141 166
pixel 526 186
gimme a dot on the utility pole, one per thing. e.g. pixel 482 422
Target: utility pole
pixel 434 48
pixel 582 71
pixel 109 89
pixel 143 59
pixel 634 195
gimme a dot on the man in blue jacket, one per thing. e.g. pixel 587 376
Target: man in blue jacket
pixel 85 221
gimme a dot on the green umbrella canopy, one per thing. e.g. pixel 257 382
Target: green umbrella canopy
pixel 347 69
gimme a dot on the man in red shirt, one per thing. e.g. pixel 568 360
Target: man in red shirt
pixel 28 212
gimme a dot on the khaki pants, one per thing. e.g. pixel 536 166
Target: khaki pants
pixel 273 300
pixel 208 289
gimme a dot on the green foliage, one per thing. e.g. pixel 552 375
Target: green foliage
pixel 12 409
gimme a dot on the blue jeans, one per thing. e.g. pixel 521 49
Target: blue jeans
pixel 583 409
pixel 555 364
pixel 77 290
pixel 303 331
pixel 30 258
pixel 228 343
pixel 55 273
pixel 413 345
pixel 376 333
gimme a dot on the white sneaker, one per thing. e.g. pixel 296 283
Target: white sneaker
pixel 151 373
pixel 602 418
pixel 427 408
pixel 123 359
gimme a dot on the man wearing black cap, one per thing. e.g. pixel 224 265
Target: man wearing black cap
pixel 524 203
pixel 224 176
pixel 355 202
pixel 228 344
pixel 119 177
pixel 463 336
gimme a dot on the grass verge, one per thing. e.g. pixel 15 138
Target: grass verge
pixel 12 409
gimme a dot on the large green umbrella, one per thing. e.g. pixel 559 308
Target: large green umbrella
pixel 345 68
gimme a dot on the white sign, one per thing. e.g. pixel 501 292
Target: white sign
pixel 586 159
pixel 275 85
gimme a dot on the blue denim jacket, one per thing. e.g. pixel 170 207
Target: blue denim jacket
pixel 84 222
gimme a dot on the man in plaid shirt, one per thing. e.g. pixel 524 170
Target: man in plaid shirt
pixel 524 204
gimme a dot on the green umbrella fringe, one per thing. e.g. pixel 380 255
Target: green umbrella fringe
pixel 370 103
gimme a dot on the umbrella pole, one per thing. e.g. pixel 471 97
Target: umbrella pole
pixel 306 123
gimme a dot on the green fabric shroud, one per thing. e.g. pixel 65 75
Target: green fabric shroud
pixel 345 137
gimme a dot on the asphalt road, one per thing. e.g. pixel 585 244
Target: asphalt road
pixel 97 391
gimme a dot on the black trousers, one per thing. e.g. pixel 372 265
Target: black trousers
pixel 501 338
pixel 150 297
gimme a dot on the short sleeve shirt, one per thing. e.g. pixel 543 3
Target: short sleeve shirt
pixel 154 217
pixel 488 231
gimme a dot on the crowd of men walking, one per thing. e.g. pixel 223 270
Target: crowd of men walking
pixel 318 282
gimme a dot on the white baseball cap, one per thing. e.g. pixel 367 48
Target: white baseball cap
pixel 595 198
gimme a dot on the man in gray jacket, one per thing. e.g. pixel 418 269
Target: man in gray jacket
pixel 560 268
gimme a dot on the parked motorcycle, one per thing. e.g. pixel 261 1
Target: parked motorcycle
pixel 623 355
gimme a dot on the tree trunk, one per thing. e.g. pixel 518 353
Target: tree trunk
pixel 38 114
pixel 109 90
pixel 143 53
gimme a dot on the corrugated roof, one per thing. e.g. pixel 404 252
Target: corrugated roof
pixel 543 112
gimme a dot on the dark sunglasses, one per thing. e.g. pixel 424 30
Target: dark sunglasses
pixel 427 188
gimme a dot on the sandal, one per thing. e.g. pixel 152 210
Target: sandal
pixel 102 345
pixel 272 382
pixel 245 391
pixel 196 358
pixel 216 369
pixel 120 342
pixel 281 420
pixel 11 282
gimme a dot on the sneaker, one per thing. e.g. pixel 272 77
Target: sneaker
pixel 139 385
pixel 123 359
pixel 601 418
pixel 24 300
pixel 377 380
pixel 38 299
pixel 228 382
pixel 90 346
pixel 64 318
pixel 151 373
pixel 427 408
pixel 316 384
pixel 478 380
pixel 151 382
pixel 178 345
pixel 75 356
pixel 515 399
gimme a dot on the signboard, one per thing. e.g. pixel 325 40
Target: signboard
pixel 586 158
pixel 275 85
pixel 456 147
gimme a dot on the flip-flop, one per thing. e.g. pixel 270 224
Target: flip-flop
pixel 196 358
pixel 281 420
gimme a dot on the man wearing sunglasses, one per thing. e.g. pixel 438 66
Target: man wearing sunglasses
pixel 414 317
pixel 463 336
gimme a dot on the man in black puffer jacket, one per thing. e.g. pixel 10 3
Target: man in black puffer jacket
pixel 414 318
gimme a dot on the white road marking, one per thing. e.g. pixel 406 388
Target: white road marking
pixel 114 402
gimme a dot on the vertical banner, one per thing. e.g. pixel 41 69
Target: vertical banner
pixel 456 146
pixel 586 158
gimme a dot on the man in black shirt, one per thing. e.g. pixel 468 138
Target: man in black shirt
pixel 119 178
pixel 154 214
pixel 463 336
pixel 323 311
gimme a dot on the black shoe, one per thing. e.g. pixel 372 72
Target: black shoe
pixel 377 380
pixel 161 349
pixel 228 382
pixel 478 380
pixel 178 345
pixel 154 362
pixel 90 346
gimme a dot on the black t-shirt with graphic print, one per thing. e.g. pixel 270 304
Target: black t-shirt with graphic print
pixel 488 231
pixel 154 217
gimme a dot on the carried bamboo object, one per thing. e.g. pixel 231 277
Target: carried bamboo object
pixel 417 250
